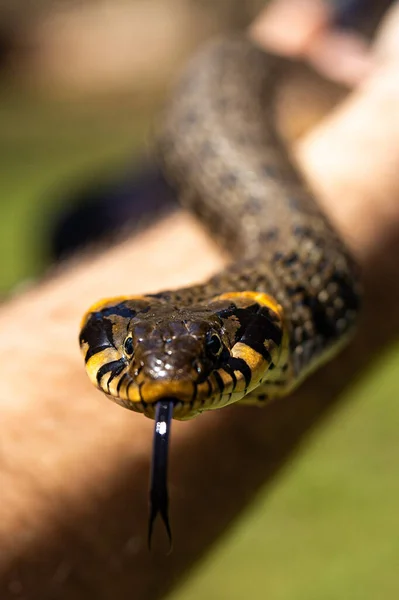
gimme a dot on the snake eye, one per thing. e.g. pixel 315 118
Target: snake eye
pixel 213 344
pixel 128 346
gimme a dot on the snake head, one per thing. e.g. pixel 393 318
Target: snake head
pixel 139 350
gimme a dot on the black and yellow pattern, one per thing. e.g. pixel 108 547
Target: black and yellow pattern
pixel 289 299
pixel 204 358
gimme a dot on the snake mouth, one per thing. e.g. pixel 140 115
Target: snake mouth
pixel 189 397
pixel 145 396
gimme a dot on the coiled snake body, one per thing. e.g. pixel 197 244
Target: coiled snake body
pixel 286 303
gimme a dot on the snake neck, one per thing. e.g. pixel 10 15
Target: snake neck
pixel 221 150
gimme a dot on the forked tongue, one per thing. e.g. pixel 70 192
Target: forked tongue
pixel 159 499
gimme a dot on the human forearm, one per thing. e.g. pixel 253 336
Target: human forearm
pixel 74 467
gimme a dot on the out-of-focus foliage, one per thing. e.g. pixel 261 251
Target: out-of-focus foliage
pixel 329 530
pixel 46 149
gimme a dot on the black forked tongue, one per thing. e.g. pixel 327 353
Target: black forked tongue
pixel 159 499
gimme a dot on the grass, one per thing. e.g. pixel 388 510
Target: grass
pixel 329 527
pixel 46 148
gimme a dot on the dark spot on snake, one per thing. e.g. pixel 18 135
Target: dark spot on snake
pixel 128 387
pixel 290 259
pixel 119 310
pixel 120 382
pixel 219 381
pixel 301 230
pixel 166 296
pixel 209 390
pixel 294 290
pixel 223 103
pixel 253 205
pixel 225 313
pixel 207 150
pixel 194 396
pixel 230 372
pixel 258 346
pixel 293 203
pixel 270 235
pixel 347 292
pixel 262 397
pixel 115 366
pixel 269 170
pixel 97 333
pixel 324 325
pixel 228 180
pixel 189 118
pixel 239 364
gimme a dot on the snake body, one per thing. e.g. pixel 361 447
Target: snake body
pixel 290 297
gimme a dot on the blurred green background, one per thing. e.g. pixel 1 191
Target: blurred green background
pixel 329 527
pixel 47 149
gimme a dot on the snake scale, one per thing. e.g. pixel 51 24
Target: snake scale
pixel 288 300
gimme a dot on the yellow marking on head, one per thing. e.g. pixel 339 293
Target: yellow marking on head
pixel 226 377
pixel 258 297
pixel 274 351
pixel 255 361
pixel 131 395
pixel 215 398
pixel 204 391
pixel 121 393
pixel 245 298
pixel 152 391
pixel 99 359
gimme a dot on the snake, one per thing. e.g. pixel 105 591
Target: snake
pixel 287 301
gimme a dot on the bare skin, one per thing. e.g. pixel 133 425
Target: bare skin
pixel 74 467
pixel 303 28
